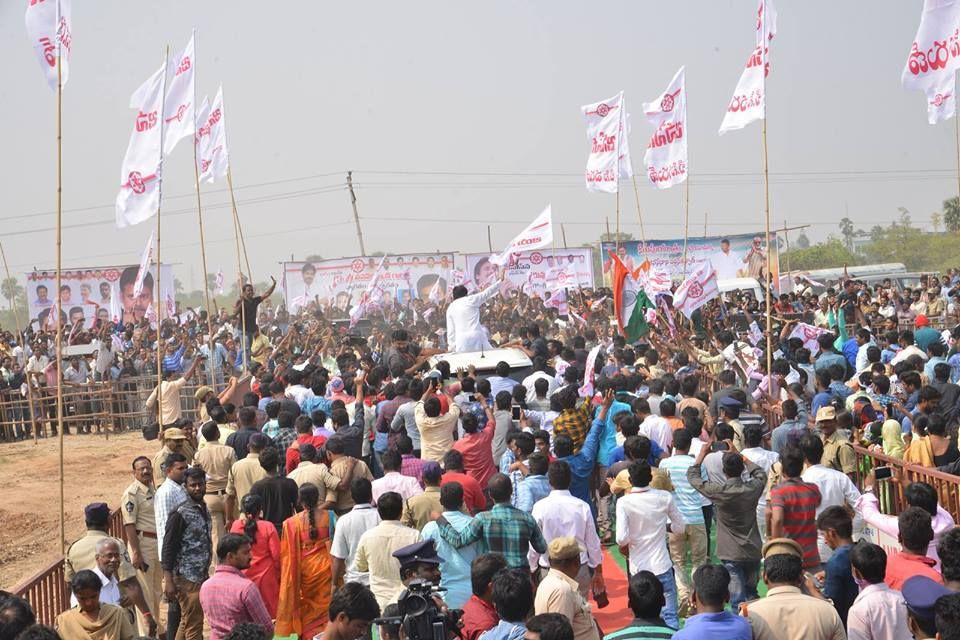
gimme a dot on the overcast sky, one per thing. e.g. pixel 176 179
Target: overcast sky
pixel 455 115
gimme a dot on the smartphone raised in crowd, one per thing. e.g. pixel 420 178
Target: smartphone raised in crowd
pixel 515 410
pixel 883 473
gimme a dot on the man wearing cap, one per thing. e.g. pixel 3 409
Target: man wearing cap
pixel 84 554
pixel 787 612
pixel 924 335
pixel 837 451
pixel 140 526
pixel 419 561
pixel 174 441
pixel 202 395
pixel 559 591
pixel 243 474
pixel 921 595
pixel 170 411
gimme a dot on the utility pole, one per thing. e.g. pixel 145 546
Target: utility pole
pixel 563 232
pixel 356 215
pixel 489 239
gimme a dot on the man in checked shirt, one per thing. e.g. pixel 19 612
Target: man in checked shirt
pixel 574 418
pixel 503 529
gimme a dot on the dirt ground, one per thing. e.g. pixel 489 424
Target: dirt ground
pixel 97 470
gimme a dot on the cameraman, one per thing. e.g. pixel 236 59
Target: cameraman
pixel 419 561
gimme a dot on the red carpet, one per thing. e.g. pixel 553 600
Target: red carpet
pixel 617 614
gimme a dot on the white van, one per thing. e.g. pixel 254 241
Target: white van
pixel 741 284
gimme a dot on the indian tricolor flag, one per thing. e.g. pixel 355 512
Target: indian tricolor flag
pixel 629 301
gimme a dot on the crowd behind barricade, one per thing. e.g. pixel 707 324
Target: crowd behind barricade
pixel 355 480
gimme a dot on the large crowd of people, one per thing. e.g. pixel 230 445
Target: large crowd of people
pixel 360 470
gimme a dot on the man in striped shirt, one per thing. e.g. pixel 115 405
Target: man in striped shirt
pixel 645 597
pixel 793 508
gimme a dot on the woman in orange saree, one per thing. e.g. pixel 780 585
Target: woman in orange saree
pixel 305 569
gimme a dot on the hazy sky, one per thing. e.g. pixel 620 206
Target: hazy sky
pixel 454 115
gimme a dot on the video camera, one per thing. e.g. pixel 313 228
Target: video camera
pixel 420 616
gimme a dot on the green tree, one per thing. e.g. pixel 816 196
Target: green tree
pixel 905 219
pixel 877 233
pixel 823 255
pixel 935 220
pixel 847 231
pixel 803 242
pixel 951 215
pixel 11 289
pixel 313 257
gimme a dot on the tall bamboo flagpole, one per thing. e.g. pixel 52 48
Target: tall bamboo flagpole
pixel 203 246
pixel 764 46
pixel 158 312
pixel 240 275
pixel 59 305
pixel 956 120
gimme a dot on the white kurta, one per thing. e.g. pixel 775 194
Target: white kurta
pixel 464 331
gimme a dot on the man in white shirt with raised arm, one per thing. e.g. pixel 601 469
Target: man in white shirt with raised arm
pixel 464 331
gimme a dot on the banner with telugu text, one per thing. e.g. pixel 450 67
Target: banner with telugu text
pixel 744 259
pixel 334 282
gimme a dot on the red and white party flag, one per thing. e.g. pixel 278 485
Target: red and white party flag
pixel 213 157
pixel 697 290
pixel 666 156
pixel 749 100
pixel 116 312
pixel 435 294
pixel 537 235
pixel 179 109
pixel 370 297
pixel 145 258
pixel 218 282
pixel 49 29
pixel 609 158
pixel 140 178
pixel 934 58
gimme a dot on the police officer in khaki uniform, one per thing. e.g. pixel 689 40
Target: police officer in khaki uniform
pixel 174 441
pixel 136 508
pixel 216 460
pixel 837 451
pixel 82 554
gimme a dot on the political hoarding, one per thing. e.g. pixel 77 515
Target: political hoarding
pixel 337 282
pixel 97 292
pixel 571 268
pixel 734 256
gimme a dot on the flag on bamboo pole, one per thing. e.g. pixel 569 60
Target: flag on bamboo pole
pixel 370 297
pixel 116 311
pixel 435 295
pixel 145 258
pixel 214 157
pixel 49 28
pixel 749 100
pixel 218 282
pixel 609 158
pixel 666 156
pixel 653 280
pixel 629 301
pixel 179 117
pixel 935 57
pixel 697 290
pixel 139 195
pixel 537 235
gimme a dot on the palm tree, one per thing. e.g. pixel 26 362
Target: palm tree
pixel 10 290
pixel 951 215
pixel 846 230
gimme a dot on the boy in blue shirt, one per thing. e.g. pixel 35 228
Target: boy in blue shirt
pixel 711 584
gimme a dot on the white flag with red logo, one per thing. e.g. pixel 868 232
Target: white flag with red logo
pixel 212 155
pixel 144 266
pixel 218 283
pixel 609 158
pixel 178 112
pixel 934 58
pixel 666 156
pixel 49 30
pixel 697 290
pixel 749 100
pixel 116 311
pixel 139 194
pixel 537 235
